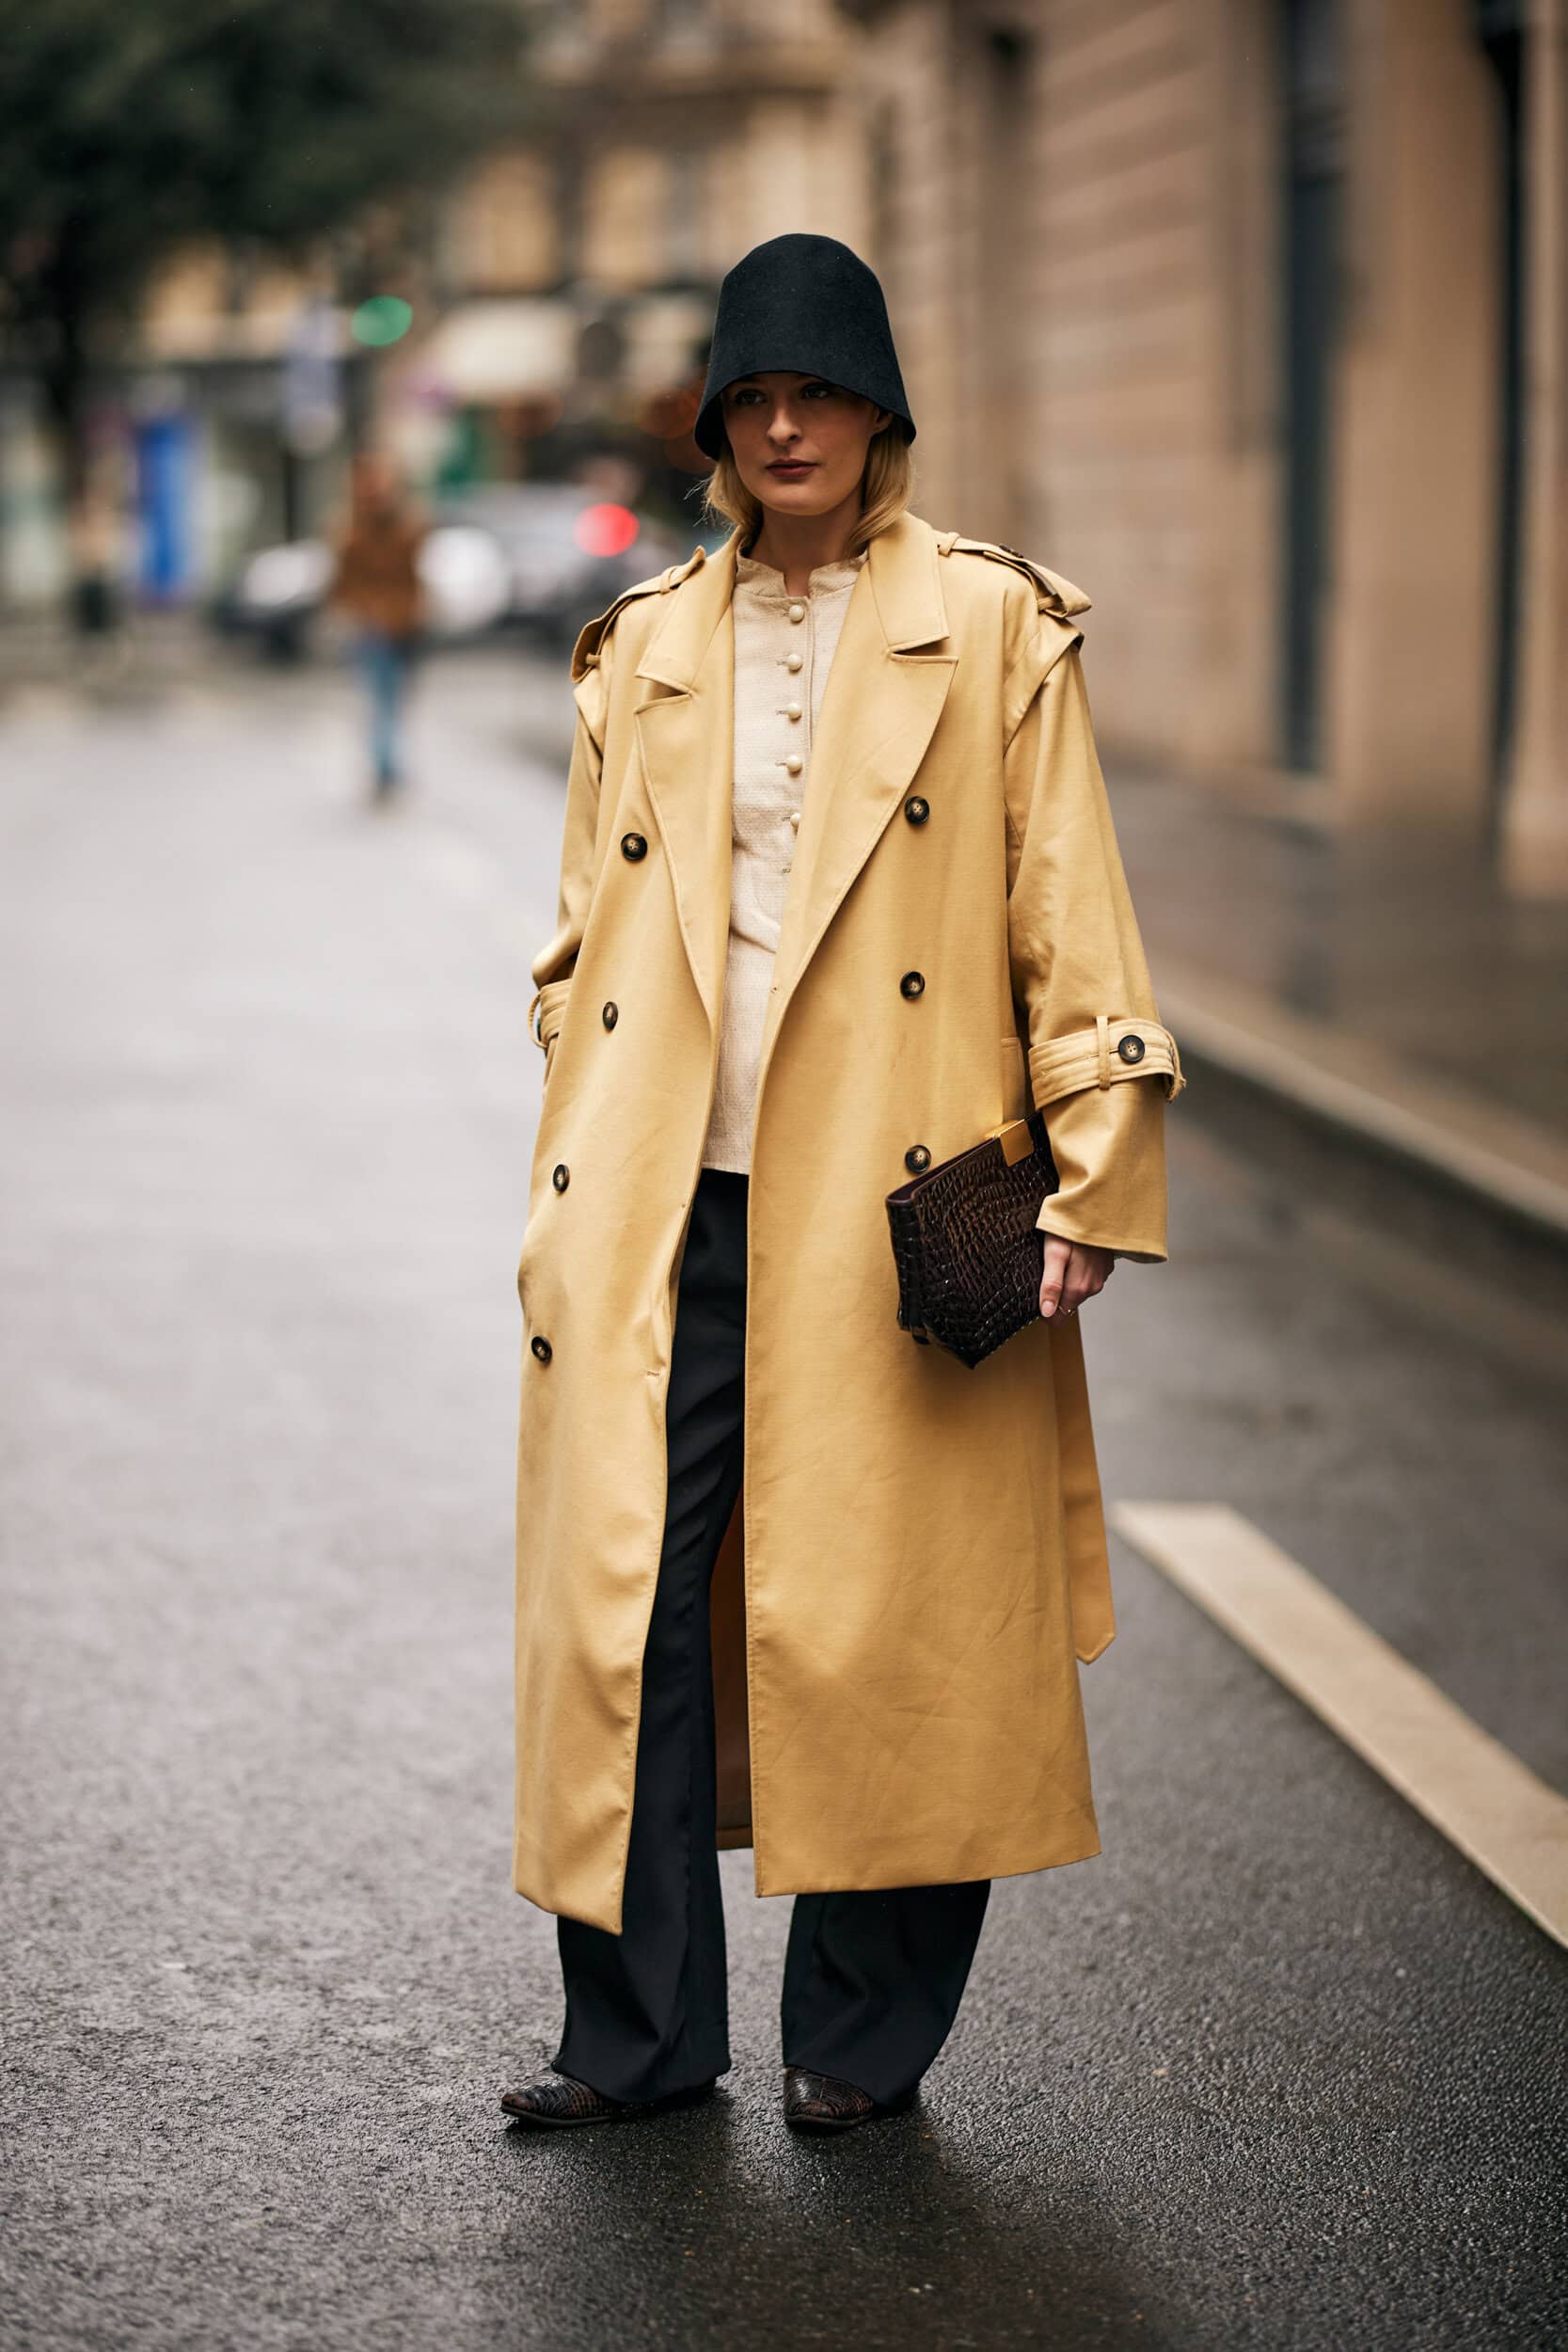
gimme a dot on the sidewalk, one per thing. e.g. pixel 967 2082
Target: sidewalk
pixel 151 649
pixel 1374 982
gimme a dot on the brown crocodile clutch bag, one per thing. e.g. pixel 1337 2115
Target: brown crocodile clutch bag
pixel 968 1250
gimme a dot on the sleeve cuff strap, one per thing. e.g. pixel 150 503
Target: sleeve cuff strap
pixel 1098 1055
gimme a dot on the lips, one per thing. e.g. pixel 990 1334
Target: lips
pixel 790 467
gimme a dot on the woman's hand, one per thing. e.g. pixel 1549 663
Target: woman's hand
pixel 1073 1271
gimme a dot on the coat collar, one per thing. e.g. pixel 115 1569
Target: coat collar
pixel 886 689
pixel 906 585
pixel 901 572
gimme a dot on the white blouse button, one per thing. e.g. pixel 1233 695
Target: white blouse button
pixel 792 661
pixel 793 710
pixel 795 763
pixel 795 817
pixel 797 611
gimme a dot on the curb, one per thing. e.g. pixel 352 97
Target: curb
pixel 1501 1159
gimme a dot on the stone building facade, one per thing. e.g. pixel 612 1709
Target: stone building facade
pixel 1252 316
pixel 668 136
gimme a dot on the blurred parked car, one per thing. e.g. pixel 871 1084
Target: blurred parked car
pixel 571 551
pixel 544 556
pixel 276 597
pixel 281 591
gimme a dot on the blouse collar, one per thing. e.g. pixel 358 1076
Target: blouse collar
pixel 765 579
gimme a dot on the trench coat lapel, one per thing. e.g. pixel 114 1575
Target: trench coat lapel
pixel 886 689
pixel 685 736
pixel 886 693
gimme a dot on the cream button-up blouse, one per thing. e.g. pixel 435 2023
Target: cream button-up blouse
pixel 783 648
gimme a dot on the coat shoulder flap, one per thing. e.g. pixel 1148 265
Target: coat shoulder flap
pixel 1057 605
pixel 586 651
pixel 1053 593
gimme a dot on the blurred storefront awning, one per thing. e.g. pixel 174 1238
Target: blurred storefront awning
pixel 501 350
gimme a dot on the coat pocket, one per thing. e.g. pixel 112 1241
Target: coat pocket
pixel 551 1002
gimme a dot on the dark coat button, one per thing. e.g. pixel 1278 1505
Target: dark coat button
pixel 561 1177
pixel 912 983
pixel 633 846
pixel 917 810
pixel 917 1158
pixel 541 1347
pixel 610 1014
pixel 1131 1049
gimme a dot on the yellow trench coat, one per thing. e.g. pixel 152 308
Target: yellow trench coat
pixel 918 1559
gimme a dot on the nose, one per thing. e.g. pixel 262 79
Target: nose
pixel 781 426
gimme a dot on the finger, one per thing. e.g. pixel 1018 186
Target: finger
pixel 1072 1282
pixel 1086 1279
pixel 1088 1274
pixel 1054 1272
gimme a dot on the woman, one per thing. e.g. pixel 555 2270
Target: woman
pixel 839 891
pixel 378 586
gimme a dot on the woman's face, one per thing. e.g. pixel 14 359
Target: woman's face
pixel 799 442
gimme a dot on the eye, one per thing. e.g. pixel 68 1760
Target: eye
pixel 818 390
pixel 743 395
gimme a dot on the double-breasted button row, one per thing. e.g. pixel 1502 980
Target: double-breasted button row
pixel 610 1014
pixel 912 984
pixel 561 1176
pixel 633 846
pixel 917 1159
pixel 917 810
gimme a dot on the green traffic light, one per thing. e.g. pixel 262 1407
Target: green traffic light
pixel 384 319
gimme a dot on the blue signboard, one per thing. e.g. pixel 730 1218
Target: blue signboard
pixel 164 469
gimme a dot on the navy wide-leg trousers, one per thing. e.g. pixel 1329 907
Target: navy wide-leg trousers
pixel 872 1980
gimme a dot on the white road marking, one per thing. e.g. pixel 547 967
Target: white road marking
pixel 1491 1806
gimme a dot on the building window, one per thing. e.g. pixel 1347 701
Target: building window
pixel 1314 121
pixel 686 224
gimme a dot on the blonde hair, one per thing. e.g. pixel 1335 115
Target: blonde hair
pixel 887 486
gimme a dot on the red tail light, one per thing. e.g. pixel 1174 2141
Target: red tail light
pixel 606 529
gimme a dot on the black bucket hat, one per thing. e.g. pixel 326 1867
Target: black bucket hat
pixel 808 305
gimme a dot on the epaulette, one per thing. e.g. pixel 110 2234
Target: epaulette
pixel 1052 592
pixel 586 651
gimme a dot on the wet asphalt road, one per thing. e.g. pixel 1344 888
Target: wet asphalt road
pixel 1279 2070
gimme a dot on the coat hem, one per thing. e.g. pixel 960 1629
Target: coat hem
pixel 1077 1842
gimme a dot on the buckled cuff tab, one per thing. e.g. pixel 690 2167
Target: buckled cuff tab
pixel 1099 1057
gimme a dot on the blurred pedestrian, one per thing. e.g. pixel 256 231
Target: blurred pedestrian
pixel 377 585
pixel 787 1577
pixel 96 539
